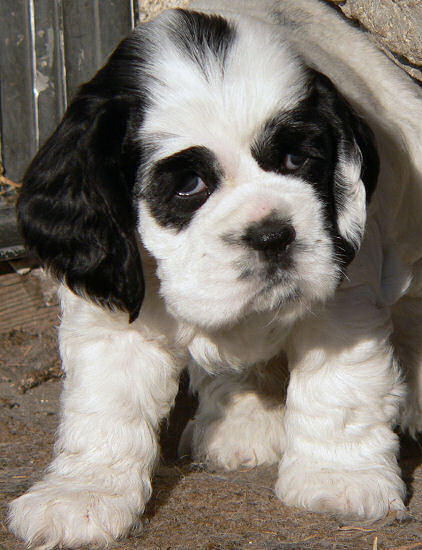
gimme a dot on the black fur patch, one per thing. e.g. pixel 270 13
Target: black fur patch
pixel 199 35
pixel 169 175
pixel 76 205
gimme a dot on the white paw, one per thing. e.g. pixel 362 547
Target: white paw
pixel 236 440
pixel 368 495
pixel 59 511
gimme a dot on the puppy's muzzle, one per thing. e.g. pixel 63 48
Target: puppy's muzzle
pixel 271 237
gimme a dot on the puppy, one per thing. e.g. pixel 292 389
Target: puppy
pixel 234 194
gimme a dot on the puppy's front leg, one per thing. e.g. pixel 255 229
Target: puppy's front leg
pixel 342 403
pixel 119 385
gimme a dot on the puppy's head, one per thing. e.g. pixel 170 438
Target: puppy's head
pixel 244 172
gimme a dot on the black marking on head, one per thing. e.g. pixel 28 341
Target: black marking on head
pixel 76 205
pixel 203 36
pixel 320 129
pixel 170 175
pixel 349 130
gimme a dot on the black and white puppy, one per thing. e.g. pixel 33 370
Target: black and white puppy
pixel 216 152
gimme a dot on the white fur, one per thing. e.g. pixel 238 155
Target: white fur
pixel 352 218
pixel 249 404
pixel 334 438
pixel 231 106
pixel 211 297
pixel 119 383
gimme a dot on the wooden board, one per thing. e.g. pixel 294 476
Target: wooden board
pixel 48 48
pixel 11 242
pixel 22 304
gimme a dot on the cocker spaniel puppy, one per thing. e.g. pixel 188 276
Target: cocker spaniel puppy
pixel 233 192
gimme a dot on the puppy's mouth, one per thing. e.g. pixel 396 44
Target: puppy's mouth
pixel 267 252
pixel 278 283
pixel 275 271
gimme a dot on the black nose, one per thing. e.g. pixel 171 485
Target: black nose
pixel 271 236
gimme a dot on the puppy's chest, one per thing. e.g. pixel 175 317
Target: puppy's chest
pixel 239 347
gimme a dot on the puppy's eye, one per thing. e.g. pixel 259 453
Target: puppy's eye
pixel 190 185
pixel 293 161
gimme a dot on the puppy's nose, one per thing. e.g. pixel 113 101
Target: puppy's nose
pixel 270 236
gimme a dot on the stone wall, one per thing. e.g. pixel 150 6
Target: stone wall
pixel 150 8
pixel 394 25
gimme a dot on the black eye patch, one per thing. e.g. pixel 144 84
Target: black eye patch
pixel 309 141
pixel 298 143
pixel 180 184
pixel 302 143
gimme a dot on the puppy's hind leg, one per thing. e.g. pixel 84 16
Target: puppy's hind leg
pixel 239 421
pixel 407 340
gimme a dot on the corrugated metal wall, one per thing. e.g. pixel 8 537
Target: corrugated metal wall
pixel 47 49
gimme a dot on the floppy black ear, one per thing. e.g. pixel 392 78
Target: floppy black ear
pixel 76 206
pixel 355 166
pixel 351 131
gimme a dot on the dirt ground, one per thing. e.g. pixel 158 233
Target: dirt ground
pixel 192 507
